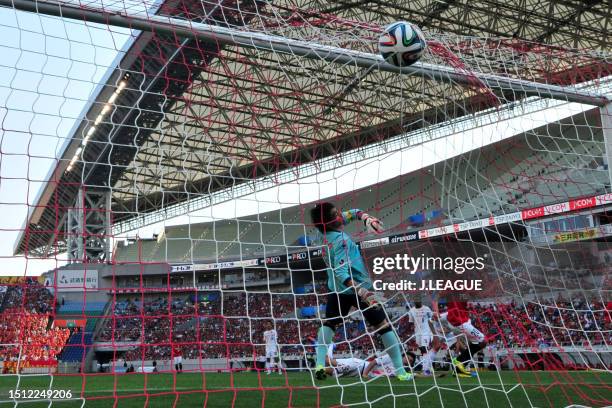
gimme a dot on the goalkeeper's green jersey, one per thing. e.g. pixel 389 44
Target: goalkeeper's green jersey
pixel 344 259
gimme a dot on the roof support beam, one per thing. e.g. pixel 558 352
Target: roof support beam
pixel 305 49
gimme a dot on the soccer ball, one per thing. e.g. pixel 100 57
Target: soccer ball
pixel 402 44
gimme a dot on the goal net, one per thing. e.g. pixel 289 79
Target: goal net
pixel 158 167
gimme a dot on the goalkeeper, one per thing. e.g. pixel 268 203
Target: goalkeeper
pixel 350 285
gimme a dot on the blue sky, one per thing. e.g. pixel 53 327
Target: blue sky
pixel 49 68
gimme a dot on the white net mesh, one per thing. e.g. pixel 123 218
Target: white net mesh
pixel 161 161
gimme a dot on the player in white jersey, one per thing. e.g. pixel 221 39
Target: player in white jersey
pixel 271 340
pixel 383 366
pixel 343 367
pixel 346 367
pixel 421 316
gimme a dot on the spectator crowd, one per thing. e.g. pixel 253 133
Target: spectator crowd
pixel 26 332
pixel 232 325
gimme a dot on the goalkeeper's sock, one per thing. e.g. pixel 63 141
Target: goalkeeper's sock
pixel 392 345
pixel 324 338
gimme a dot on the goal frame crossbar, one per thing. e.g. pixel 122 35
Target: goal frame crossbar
pixel 227 35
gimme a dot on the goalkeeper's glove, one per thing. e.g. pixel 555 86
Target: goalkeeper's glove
pixel 372 299
pixel 372 224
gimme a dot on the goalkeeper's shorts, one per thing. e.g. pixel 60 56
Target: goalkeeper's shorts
pixel 338 308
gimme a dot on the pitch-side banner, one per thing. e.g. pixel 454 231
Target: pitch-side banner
pixel 523 215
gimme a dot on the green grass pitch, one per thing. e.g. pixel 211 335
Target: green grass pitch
pixel 250 389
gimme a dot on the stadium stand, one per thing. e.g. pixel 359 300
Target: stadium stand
pixel 503 180
pixel 517 175
pixel 238 319
pixel 231 326
pixel 80 341
pixel 27 334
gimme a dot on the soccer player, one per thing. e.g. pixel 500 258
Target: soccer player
pixel 271 340
pixel 458 319
pixel 444 335
pixel 420 316
pixel 344 367
pixel 178 359
pixel 350 285
pixel 384 366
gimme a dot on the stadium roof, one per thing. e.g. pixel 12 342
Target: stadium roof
pixel 186 123
pixel 565 23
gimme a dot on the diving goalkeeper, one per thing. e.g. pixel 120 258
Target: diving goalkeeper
pixel 350 285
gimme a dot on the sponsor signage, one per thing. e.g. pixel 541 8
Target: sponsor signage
pixel 576 235
pixel 532 213
pixel 604 199
pixel 506 218
pixel 225 265
pixel 556 208
pixel 70 322
pixel 294 257
pixel 298 256
pixel 527 214
pixel 375 243
pixel 588 233
pixel 582 203
pixel 76 280
pixel 395 239
pixel 181 268
pixel 484 222
pixel 16 280
pixel 270 260
pixel 273 260
pixel 316 252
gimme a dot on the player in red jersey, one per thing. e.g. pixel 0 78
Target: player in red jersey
pixel 458 318
pixel 178 359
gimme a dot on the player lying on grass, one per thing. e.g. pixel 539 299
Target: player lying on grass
pixel 383 366
pixel 350 285
pixel 373 367
pixel 457 318
pixel 344 367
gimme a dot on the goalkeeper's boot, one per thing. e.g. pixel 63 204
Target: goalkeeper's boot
pixel 320 373
pixel 460 368
pixel 405 377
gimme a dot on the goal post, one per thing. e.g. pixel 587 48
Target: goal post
pixel 258 40
pixel 606 125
